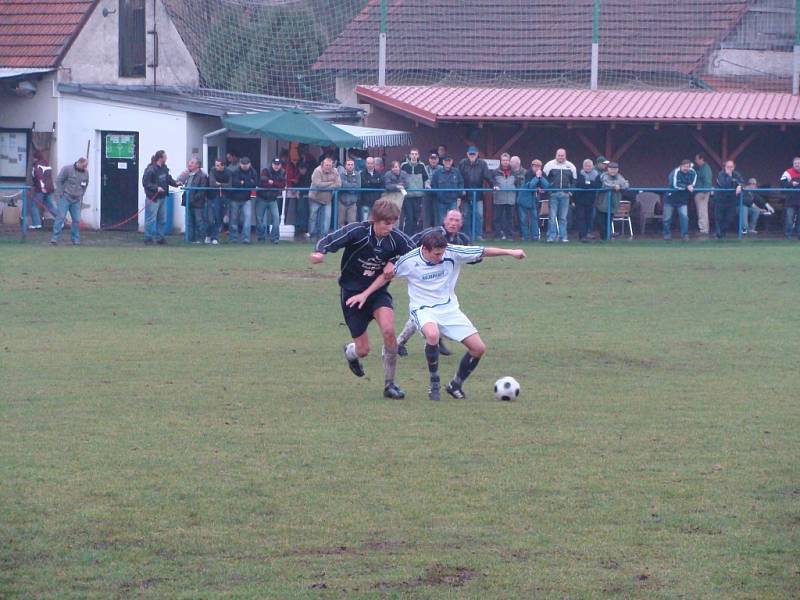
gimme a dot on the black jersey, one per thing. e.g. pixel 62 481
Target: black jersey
pixel 459 238
pixel 364 254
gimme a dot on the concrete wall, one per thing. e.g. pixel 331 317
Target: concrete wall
pixel 81 120
pixel 196 127
pixel 18 112
pixel 94 56
pixel 646 163
pixel 729 62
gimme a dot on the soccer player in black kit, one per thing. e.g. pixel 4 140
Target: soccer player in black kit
pixel 368 249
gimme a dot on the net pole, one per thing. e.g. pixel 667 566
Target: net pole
pixel 741 215
pixel 382 44
pixel 596 44
pixel 796 55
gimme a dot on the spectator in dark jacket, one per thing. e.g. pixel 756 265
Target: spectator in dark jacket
pixel 244 181
pixel 726 201
pixel 395 184
pixel 42 177
pixel 196 178
pixel 475 172
pixel 681 181
pixel 588 181
pixel 268 219
pixel 528 200
pixel 754 205
pixel 446 178
pixel 219 178
pixel 429 199
pixel 156 181
pixel 791 181
pixel 371 179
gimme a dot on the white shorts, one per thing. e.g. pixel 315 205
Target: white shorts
pixel 451 321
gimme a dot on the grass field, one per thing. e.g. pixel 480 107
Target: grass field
pixel 179 423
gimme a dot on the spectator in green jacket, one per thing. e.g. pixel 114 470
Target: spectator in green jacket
pixel 704 180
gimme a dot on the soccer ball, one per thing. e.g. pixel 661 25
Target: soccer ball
pixel 506 389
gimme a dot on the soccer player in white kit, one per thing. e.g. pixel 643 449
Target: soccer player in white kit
pixel 432 271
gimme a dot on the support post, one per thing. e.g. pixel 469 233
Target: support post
pixel 187 198
pixel 609 216
pixel 24 208
pixel 741 216
pixel 474 215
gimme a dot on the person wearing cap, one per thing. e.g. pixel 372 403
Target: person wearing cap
pixel 449 179
pixel 561 174
pixel 588 182
pixel 681 181
pixel 704 181
pixel 475 172
pixel 614 181
pixel 754 205
pixel 601 164
pixel 429 200
pixel 348 200
pixel 273 179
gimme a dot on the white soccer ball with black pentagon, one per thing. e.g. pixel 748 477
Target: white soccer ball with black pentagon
pixel 506 389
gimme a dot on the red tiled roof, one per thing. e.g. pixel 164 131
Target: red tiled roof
pixel 37 33
pixel 486 35
pixel 434 104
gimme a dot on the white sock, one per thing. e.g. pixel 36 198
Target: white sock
pixel 350 351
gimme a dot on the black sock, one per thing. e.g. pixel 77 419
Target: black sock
pixel 466 366
pixel 432 356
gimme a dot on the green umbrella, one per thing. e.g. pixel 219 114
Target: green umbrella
pixel 293 126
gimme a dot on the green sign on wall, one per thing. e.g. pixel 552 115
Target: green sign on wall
pixel 119 146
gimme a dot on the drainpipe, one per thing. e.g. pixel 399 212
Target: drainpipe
pixel 596 44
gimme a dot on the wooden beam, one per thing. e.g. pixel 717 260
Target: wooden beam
pixel 609 142
pixel 745 143
pixel 588 143
pixel 628 143
pixel 512 140
pixel 724 154
pixel 707 147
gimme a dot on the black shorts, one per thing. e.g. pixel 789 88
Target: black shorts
pixel 358 319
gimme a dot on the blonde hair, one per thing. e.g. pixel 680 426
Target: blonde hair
pixel 384 210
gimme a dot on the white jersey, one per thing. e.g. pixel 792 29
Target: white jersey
pixel 431 285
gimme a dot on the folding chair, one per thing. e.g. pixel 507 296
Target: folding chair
pixel 623 215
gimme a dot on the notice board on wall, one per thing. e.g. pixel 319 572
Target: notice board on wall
pixel 14 153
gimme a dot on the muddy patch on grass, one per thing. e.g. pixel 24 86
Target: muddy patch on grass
pixel 609 359
pixel 435 575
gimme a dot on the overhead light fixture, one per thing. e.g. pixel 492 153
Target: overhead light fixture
pixel 109 11
pixel 25 89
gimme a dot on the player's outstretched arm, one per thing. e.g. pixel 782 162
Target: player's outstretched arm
pixel 517 253
pixel 360 299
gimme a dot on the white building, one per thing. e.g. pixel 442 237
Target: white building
pixel 80 92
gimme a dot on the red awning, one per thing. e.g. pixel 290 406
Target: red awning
pixel 436 104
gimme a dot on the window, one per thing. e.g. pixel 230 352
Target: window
pixel 132 38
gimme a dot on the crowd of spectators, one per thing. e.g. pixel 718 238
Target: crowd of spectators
pixel 233 193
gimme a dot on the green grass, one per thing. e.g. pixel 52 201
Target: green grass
pixel 179 423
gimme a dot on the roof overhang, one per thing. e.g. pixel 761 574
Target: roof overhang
pixel 435 105
pixel 209 102
pixel 12 72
